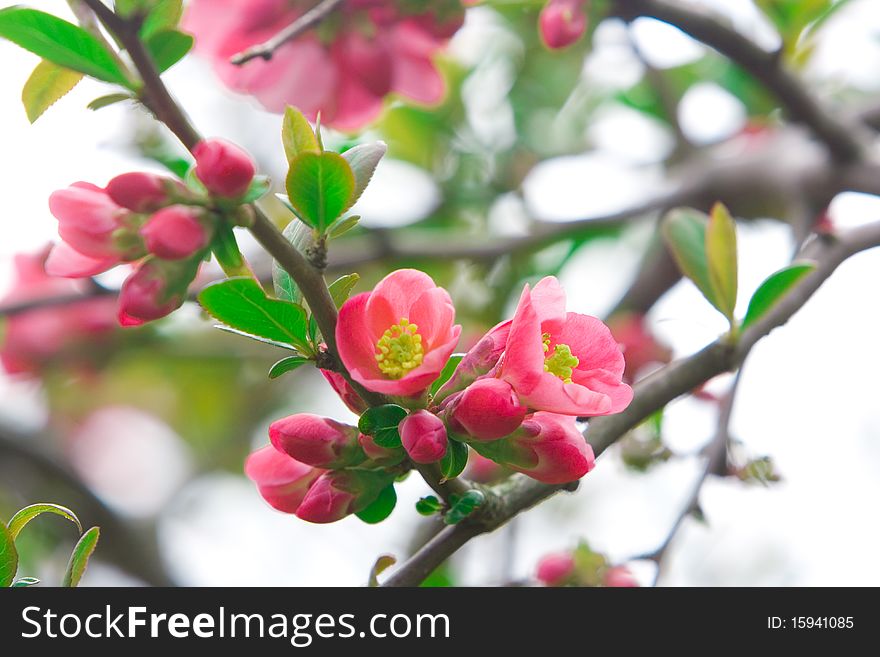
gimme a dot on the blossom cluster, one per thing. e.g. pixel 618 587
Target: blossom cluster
pixel 582 567
pixel 515 397
pixel 158 224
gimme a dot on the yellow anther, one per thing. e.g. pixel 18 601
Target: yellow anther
pixel 561 362
pixel 399 350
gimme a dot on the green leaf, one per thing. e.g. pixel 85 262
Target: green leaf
pixel 381 508
pixel 773 289
pixel 60 42
pixel 319 186
pixel 241 304
pixel 382 564
pixel 79 558
pixel 109 99
pixel 342 227
pixel 428 506
pixel 363 160
pixel 286 365
pixel 464 506
pixel 257 190
pixel 25 582
pixel 8 557
pixel 297 135
pixel 285 288
pixel 168 47
pixel 721 257
pixel 454 461
pixel 25 515
pixel 165 15
pixel 341 288
pixel 48 84
pixel 446 373
pixel 685 234
pixel 249 336
pixel 381 423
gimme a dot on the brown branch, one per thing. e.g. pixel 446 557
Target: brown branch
pixel 304 23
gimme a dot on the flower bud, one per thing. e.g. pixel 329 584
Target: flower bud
pixel 424 436
pixel 620 577
pixel 562 22
pixel 282 481
pixel 380 455
pixel 141 192
pixel 92 224
pixel 488 409
pixel 555 569
pixel 346 393
pixel 317 441
pixel 339 493
pixel 477 362
pixel 156 289
pixel 224 168
pixel 175 233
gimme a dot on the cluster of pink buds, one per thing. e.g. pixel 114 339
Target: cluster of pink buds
pixel 582 567
pixel 161 226
pixel 514 398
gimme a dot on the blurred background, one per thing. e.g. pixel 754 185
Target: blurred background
pixel 145 431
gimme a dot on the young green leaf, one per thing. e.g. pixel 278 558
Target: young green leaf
pixel 382 564
pixel 319 186
pixel 165 15
pixel 381 508
pixel 48 84
pixel 342 227
pixel 24 582
pixel 446 373
pixel 297 135
pixel 109 99
pixel 242 304
pixel 455 459
pixel 168 47
pixel 8 557
pixel 464 506
pixel 79 558
pixel 381 422
pixel 363 160
pixel 428 506
pixel 61 43
pixel 341 288
pixel 771 291
pixel 721 257
pixel 286 365
pixel 25 515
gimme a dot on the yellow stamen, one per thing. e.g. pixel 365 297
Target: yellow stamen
pixel 399 350
pixel 561 362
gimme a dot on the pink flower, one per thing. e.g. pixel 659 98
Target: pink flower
pixel 424 437
pixel 95 231
pixel 339 493
pixel 547 447
pixel 396 339
pixel 562 22
pixel 555 569
pixel 142 192
pixel 31 339
pixel 155 289
pixel 317 441
pixel 488 409
pixel 346 393
pixel 562 362
pixel 640 347
pixel 225 169
pixel 282 481
pixel 175 233
pixel 369 49
pixel 621 577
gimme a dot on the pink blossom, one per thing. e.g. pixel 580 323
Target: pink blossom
pixel 396 339
pixel 339 493
pixel 282 481
pixel 346 393
pixel 176 232
pixel 424 436
pixel 555 569
pixel 640 347
pixel 562 22
pixel 317 441
pixel 488 409
pixel 621 577
pixel 142 192
pixel 563 362
pixel 225 169
pixel 369 49
pixel 154 290
pixel 31 339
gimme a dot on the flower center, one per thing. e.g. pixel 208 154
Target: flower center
pixel 399 350
pixel 561 362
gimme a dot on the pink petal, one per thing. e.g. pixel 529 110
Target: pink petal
pixel 65 262
pixel 592 342
pixel 523 364
pixel 553 395
pixel 548 298
pixel 434 314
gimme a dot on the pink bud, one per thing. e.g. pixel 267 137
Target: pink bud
pixel 224 168
pixel 339 493
pixel 141 192
pixel 282 481
pixel 424 436
pixel 89 221
pixel 555 569
pixel 477 362
pixel 317 441
pixel 562 22
pixel 620 577
pixel 154 290
pixel 175 233
pixel 346 393
pixel 488 409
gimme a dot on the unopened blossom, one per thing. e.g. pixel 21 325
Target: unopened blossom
pixel 282 481
pixel 487 409
pixel 555 569
pixel 620 577
pixel 424 436
pixel 155 289
pixel 144 192
pixel 339 493
pixel 223 168
pixel 176 232
pixel 317 441
pixel 396 339
pixel 562 22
